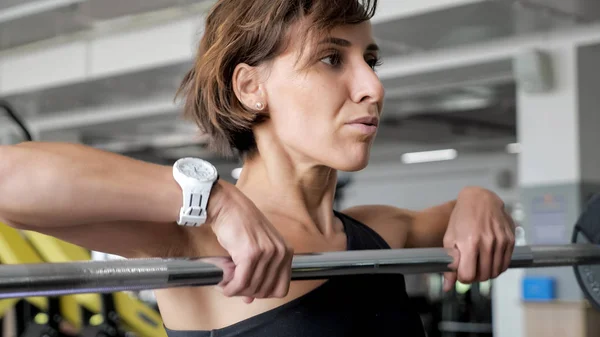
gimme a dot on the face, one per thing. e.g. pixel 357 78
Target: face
pixel 327 114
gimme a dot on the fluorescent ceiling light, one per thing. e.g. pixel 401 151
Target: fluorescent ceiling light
pixel 429 156
pixel 513 148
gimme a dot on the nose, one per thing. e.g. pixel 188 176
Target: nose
pixel 366 86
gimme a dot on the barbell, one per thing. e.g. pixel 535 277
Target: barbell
pixel 53 279
pixel 139 274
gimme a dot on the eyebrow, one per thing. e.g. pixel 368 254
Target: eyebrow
pixel 346 43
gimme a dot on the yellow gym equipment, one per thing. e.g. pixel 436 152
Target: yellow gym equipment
pixel 135 315
pixel 6 305
pixel 21 247
pixel 14 249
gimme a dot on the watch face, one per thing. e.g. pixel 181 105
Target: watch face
pixel 197 169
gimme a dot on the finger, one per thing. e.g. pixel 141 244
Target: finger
pixel 513 226
pixel 269 277
pixel 259 274
pixel 449 281
pixel 247 299
pixel 277 257
pixel 467 266
pixel 499 251
pixel 228 268
pixel 486 257
pixel 275 278
pixel 282 286
pixel 279 275
pixel 510 246
pixel 241 278
pixel 451 277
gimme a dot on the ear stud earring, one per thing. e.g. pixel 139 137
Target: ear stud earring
pixel 260 106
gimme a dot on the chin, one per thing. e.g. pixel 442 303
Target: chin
pixel 354 165
pixel 350 158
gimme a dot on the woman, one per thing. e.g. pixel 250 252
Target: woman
pixel 290 85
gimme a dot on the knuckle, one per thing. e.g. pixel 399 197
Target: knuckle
pixel 507 242
pixel 489 239
pixel 253 253
pixel 474 241
pixel 502 243
pixel 281 258
pixel 488 242
pixel 280 250
pixel 510 242
pixel 278 246
pixel 269 251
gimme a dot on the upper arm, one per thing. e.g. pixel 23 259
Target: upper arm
pixel 127 239
pixel 403 228
pixel 392 223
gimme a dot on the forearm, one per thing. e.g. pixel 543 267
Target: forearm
pixel 60 184
pixel 429 226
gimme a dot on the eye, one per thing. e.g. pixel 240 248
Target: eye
pixel 334 59
pixel 374 62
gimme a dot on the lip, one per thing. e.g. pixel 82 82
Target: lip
pixel 368 120
pixel 365 129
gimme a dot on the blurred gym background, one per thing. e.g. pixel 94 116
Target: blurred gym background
pixel 462 78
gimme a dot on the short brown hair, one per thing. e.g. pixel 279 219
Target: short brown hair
pixel 251 32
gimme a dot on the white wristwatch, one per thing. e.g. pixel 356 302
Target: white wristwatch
pixel 196 178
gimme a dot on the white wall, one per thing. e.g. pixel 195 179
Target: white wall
pixel 588 79
pixel 418 186
pixel 393 9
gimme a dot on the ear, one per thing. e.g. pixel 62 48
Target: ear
pixel 248 88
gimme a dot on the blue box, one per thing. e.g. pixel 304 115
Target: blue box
pixel 538 289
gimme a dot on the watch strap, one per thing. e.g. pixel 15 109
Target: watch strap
pixel 195 205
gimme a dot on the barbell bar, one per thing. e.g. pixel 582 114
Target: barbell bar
pixel 54 279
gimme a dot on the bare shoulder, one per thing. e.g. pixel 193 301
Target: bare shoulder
pixel 392 223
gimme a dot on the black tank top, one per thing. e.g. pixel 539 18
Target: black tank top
pixel 360 305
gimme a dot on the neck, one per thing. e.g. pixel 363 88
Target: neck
pixel 302 193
